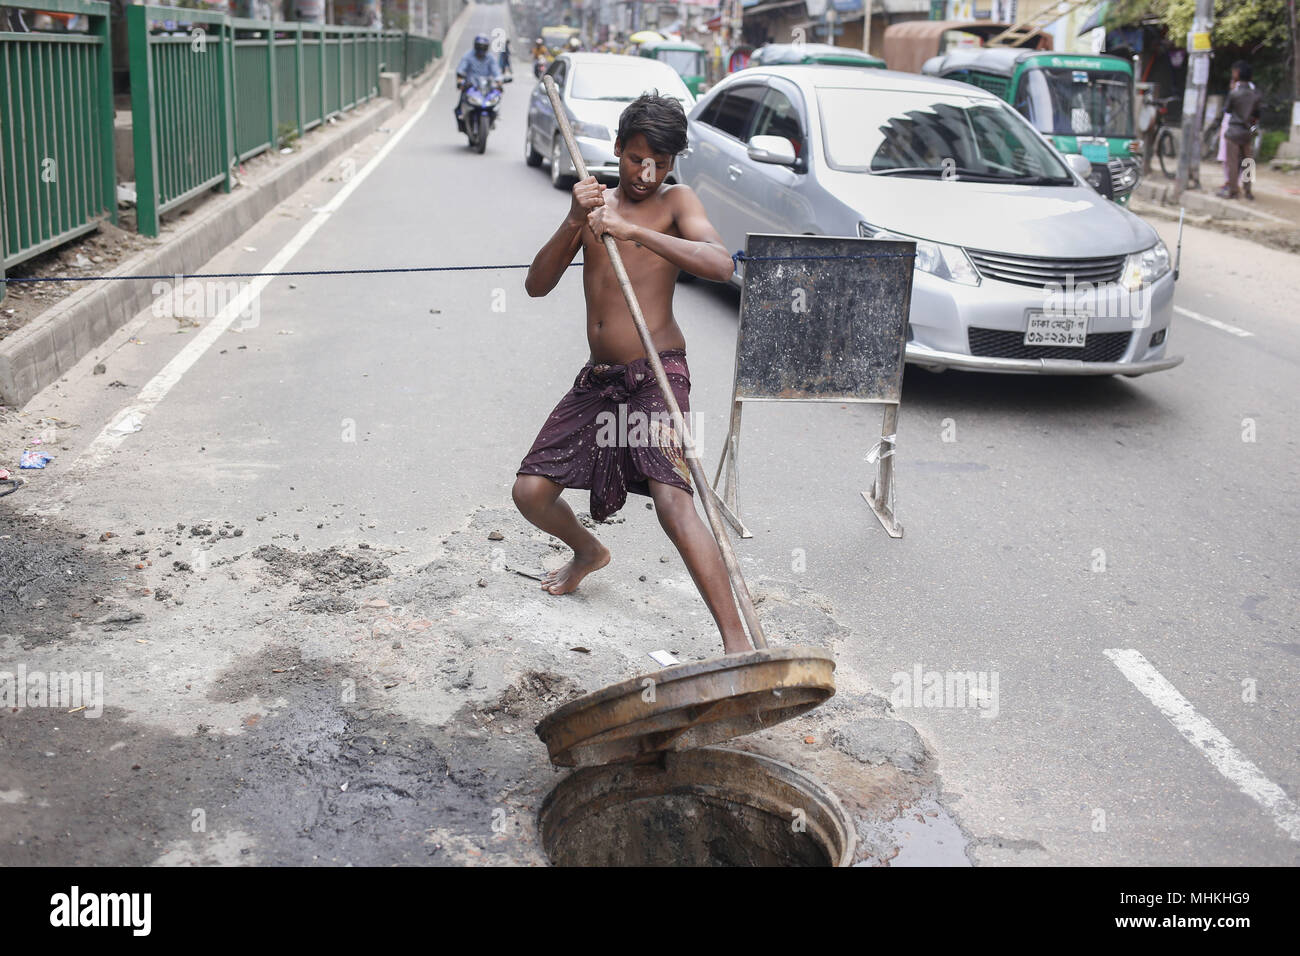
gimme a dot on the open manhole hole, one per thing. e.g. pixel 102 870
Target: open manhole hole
pixel 707 807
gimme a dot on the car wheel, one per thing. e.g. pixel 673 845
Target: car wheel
pixel 531 155
pixel 557 154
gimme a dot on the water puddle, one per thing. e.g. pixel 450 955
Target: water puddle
pixel 925 834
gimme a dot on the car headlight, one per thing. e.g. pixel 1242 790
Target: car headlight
pixel 591 130
pixel 936 258
pixel 1143 268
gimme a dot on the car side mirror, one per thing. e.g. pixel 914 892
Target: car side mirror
pixel 1079 164
pixel 776 150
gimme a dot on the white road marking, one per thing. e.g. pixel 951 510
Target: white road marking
pixel 107 441
pixel 1221 326
pixel 1203 735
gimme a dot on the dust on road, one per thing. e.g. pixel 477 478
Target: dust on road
pixel 265 705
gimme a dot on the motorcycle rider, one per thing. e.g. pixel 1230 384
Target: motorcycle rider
pixel 540 55
pixel 476 62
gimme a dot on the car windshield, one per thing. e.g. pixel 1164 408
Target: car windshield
pixel 624 82
pixel 933 135
pixel 1068 102
pixel 685 62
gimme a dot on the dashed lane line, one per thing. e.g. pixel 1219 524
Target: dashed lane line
pixel 1205 737
pixel 1214 323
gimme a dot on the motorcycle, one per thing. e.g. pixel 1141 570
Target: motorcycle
pixel 480 98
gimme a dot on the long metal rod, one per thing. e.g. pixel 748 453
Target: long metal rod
pixel 743 598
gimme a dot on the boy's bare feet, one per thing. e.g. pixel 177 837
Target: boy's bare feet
pixel 566 579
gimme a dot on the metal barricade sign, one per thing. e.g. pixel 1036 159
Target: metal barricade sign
pixel 822 319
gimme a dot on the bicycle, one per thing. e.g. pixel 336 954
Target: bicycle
pixel 1168 140
pixel 1169 133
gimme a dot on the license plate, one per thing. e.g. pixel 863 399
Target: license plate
pixel 1095 152
pixel 1054 329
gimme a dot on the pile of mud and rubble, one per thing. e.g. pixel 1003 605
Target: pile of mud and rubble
pixel 51 582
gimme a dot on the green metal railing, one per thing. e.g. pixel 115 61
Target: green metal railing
pixel 180 111
pixel 228 89
pixel 409 55
pixel 56 134
pixel 420 52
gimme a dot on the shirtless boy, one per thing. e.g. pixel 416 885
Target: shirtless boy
pixel 660 230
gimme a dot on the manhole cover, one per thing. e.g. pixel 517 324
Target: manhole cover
pixel 688 705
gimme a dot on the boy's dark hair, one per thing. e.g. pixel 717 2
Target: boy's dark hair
pixel 1243 70
pixel 660 119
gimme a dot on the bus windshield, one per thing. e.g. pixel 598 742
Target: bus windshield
pixel 685 62
pixel 1065 102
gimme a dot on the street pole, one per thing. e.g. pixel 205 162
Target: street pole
pixel 1198 75
pixel 866 25
pixel 1294 26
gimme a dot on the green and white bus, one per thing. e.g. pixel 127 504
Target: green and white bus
pixel 1082 103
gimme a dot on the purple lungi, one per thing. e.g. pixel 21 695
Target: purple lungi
pixel 612 433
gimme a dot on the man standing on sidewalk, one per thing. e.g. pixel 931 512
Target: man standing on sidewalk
pixel 1242 108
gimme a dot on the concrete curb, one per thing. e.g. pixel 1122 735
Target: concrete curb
pixel 45 349
pixel 1200 204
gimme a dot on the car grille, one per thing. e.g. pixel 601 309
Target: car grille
pixel 997 343
pixel 1117 168
pixel 1039 272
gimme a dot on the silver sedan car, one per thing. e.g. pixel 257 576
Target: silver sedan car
pixel 1020 266
pixel 595 89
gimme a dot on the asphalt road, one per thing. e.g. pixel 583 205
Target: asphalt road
pixel 444 379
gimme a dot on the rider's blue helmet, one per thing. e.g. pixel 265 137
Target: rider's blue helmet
pixel 481 43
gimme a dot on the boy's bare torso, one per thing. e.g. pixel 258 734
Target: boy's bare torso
pixel 611 332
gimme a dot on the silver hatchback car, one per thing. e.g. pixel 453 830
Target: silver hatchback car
pixel 1020 267
pixel 595 89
